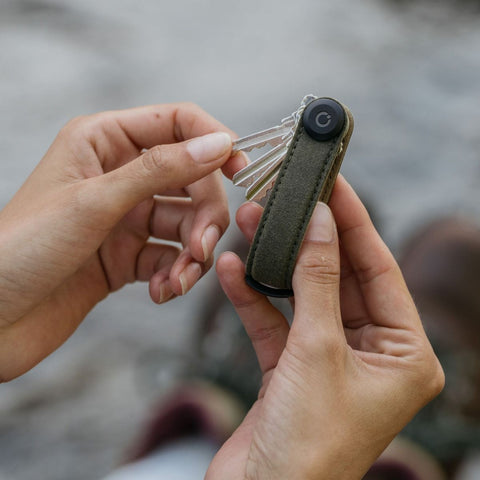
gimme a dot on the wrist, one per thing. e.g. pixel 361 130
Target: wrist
pixel 29 339
pixel 335 458
pixel 344 460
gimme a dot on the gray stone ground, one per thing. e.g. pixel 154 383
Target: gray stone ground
pixel 410 72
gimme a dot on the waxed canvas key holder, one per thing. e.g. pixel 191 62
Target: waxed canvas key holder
pixel 307 176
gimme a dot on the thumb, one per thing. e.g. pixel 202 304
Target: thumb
pixel 165 167
pixel 316 279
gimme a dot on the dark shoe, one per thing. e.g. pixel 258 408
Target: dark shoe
pixel 192 410
pixel 403 460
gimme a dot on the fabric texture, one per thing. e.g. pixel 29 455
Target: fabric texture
pixel 307 176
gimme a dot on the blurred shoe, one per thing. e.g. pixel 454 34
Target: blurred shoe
pixel 195 410
pixel 403 460
pixel 441 265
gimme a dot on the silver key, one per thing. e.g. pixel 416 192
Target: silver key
pixel 260 187
pixel 260 175
pixel 252 172
pixel 272 136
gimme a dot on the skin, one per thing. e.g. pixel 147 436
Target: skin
pixel 81 225
pixel 352 370
pixel 338 385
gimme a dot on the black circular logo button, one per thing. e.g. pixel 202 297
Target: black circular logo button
pixel 323 119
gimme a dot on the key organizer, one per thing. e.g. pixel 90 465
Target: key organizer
pixel 307 175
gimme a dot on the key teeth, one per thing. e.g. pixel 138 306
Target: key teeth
pixel 249 149
pixel 259 145
pixel 266 194
pixel 260 167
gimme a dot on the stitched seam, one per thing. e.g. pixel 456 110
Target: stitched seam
pixel 274 195
pixel 332 176
pixel 306 219
pixel 329 184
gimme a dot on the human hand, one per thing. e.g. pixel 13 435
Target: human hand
pixel 352 370
pixel 81 225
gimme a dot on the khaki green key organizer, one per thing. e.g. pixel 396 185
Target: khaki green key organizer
pixel 305 174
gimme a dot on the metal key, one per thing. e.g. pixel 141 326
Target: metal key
pixel 259 176
pixel 272 136
pixel 251 173
pixel 259 188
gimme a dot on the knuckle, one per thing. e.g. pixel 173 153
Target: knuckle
pixel 76 122
pixel 321 269
pixel 82 127
pixel 223 216
pixel 73 126
pixel 154 160
pixel 191 106
pixel 436 380
pixel 187 113
pixel 428 376
pixel 190 120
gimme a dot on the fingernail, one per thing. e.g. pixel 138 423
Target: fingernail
pixel 210 238
pixel 209 147
pixel 190 275
pixel 322 226
pixel 166 292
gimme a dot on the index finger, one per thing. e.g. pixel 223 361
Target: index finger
pixel 379 277
pixel 166 123
pixel 160 124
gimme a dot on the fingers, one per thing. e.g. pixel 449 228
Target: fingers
pixel 186 271
pixel 175 219
pixel 234 164
pixel 248 217
pixel 169 270
pixel 153 258
pixel 199 222
pixel 316 278
pixel 212 217
pixel 264 324
pixel 385 294
pixel 135 129
pixel 154 263
pixel 162 168
pixel 170 217
pixel 198 226
pixel 189 166
pixel 163 124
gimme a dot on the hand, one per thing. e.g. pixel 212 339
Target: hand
pixel 352 370
pixel 80 227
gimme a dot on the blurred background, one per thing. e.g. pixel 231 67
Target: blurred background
pixel 408 70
